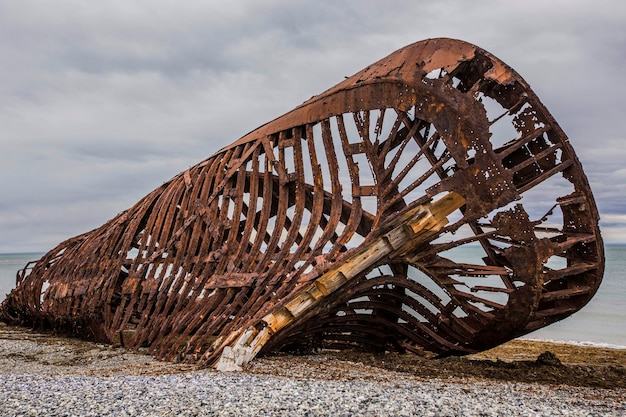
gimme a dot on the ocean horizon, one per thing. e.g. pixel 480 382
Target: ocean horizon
pixel 601 322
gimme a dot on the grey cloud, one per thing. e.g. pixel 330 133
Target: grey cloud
pixel 101 102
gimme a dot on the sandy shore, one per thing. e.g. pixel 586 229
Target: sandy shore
pixel 44 374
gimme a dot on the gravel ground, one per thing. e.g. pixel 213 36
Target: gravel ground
pixel 213 394
pixel 42 375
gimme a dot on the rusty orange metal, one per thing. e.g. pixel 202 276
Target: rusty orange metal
pixel 428 202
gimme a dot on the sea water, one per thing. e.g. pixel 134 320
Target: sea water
pixel 10 263
pixel 601 321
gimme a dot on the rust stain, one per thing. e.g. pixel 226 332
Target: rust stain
pixel 397 210
pixel 500 73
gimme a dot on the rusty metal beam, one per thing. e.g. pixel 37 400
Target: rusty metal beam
pixel 346 223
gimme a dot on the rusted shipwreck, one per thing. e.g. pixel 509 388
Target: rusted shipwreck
pixel 346 223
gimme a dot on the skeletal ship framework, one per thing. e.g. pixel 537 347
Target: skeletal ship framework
pixel 344 224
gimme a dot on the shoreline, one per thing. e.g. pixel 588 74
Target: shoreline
pixel 47 374
pixel 583 343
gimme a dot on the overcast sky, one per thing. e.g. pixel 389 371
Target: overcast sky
pixel 101 102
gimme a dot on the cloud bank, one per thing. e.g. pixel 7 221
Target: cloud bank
pixel 101 102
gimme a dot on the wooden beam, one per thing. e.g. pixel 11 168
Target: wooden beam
pixel 403 234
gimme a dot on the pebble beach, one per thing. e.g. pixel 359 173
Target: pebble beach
pixel 53 376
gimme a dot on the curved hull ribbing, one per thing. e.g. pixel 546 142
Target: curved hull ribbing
pixel 344 223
